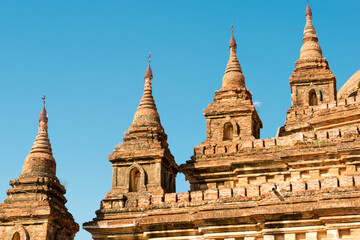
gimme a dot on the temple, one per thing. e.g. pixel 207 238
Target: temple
pixel 35 205
pixel 304 184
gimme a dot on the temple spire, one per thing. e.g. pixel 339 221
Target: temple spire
pixel 146 114
pixel 233 77
pixel 311 47
pixel 40 161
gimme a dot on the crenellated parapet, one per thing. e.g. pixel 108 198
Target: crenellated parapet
pixel 292 210
pixel 334 115
pixel 284 191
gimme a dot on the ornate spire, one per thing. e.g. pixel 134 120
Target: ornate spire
pixel 40 161
pixel 310 48
pixel 233 77
pixel 146 114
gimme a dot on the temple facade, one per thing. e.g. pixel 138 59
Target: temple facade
pixel 304 184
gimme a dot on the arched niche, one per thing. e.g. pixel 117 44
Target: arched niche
pixel 16 236
pixel 135 178
pixel 313 101
pixel 18 233
pixel 228 133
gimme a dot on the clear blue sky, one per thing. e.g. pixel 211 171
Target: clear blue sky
pixel 89 58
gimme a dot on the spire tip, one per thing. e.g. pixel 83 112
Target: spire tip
pixel 148 73
pixel 308 11
pixel 43 114
pixel 232 43
pixel 149 57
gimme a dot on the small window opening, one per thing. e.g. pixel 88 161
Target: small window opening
pixel 228 131
pixel 321 96
pixel 312 98
pixel 171 181
pixel 134 180
pixel 16 236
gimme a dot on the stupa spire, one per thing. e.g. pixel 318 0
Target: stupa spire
pixel 233 77
pixel 311 47
pixel 146 113
pixel 40 161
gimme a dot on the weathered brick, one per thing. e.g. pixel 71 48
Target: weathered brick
pixel 196 196
pixel 170 197
pixel 239 192
pixel 313 184
pixel 329 182
pixel 252 191
pixel 266 188
pixel 283 187
pixel 297 186
pixel 211 195
pixel 225 193
pixel 183 197
pixel 346 181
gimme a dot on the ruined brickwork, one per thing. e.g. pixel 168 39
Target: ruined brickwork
pixel 302 184
pixel 35 205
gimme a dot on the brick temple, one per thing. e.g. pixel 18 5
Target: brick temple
pixel 303 184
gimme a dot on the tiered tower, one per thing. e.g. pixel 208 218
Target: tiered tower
pixel 312 83
pixel 232 116
pixel 35 205
pixel 143 166
pixel 230 119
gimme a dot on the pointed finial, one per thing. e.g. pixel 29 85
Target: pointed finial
pixel 232 43
pixel 148 73
pixel 43 114
pixel 308 11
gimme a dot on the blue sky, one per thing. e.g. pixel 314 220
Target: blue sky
pixel 89 58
